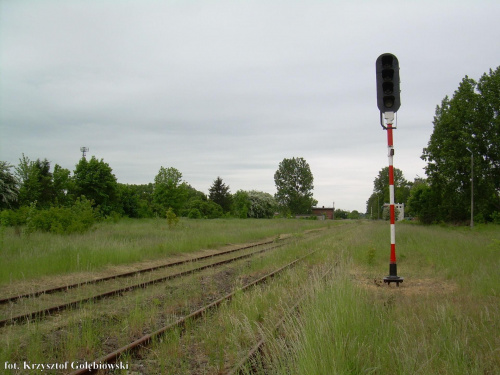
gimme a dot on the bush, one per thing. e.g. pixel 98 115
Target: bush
pixel 11 218
pixel 207 209
pixel 172 219
pixel 194 213
pixel 62 220
pixel 495 217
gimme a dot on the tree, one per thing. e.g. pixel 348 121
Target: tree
pixel 169 191
pixel 466 125
pixel 144 194
pixel 401 186
pixel 341 214
pixel 374 205
pixel 423 202
pixel 241 204
pixel 262 205
pixel 95 180
pixel 129 200
pixel 354 215
pixel 63 186
pixel 35 182
pixel 254 204
pixel 220 194
pixel 8 186
pixel 294 185
pixel 203 208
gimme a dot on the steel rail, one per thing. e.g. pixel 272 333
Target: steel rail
pixel 258 347
pixel 127 274
pixel 45 312
pixel 147 339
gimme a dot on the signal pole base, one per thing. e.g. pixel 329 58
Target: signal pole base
pixel 393 275
pixel 393 279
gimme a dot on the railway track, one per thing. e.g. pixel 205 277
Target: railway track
pixel 244 366
pixel 145 340
pixel 125 274
pixel 75 303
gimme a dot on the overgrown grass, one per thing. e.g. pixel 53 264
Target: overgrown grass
pixel 225 336
pixel 467 257
pixel 87 332
pixel 444 319
pixel 28 256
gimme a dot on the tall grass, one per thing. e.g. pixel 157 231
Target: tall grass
pixel 39 254
pixel 88 331
pixel 349 327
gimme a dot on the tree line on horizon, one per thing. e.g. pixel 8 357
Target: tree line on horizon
pixel 33 193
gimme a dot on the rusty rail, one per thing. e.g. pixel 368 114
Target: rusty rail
pixel 46 312
pixel 239 368
pixel 147 339
pixel 127 274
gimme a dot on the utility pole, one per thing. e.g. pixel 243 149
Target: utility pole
pixel 471 188
pixel 84 151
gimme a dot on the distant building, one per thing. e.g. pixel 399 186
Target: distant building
pixel 327 213
pixel 400 210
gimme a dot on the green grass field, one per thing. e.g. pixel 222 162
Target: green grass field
pixel 443 319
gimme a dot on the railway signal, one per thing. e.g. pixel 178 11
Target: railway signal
pixel 388 101
pixel 387 67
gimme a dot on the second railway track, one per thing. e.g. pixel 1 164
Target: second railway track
pixel 41 304
pixel 180 323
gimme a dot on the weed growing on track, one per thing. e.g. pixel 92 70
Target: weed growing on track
pixel 214 344
pixel 93 329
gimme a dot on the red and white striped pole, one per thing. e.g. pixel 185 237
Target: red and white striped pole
pixel 393 271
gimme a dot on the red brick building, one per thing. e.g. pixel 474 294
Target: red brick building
pixel 327 212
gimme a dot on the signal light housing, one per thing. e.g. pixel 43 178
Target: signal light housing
pixel 387 69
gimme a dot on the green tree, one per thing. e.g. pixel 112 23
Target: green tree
pixel 63 186
pixel 220 194
pixel 423 202
pixel 8 186
pixel 380 195
pixel 95 180
pixel 144 194
pixel 203 208
pixel 128 200
pixel 172 218
pixel 374 206
pixel 36 183
pixel 354 215
pixel 401 185
pixel 341 214
pixel 254 204
pixel 241 204
pixel 169 191
pixel 466 125
pixel 294 185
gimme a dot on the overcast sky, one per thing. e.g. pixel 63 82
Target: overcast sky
pixel 231 88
